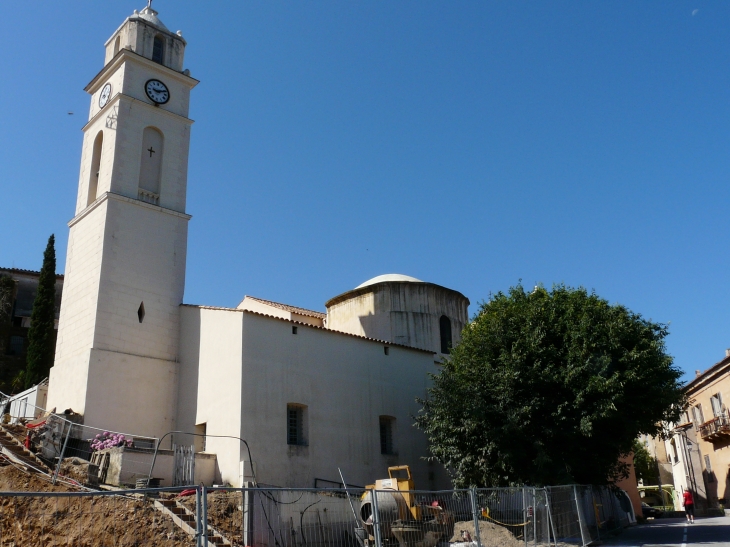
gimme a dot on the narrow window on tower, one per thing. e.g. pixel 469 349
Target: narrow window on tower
pixel 117 42
pixel 140 312
pixel 445 328
pixel 150 168
pixel 95 166
pixel 158 49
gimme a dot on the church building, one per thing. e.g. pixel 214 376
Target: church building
pixel 308 391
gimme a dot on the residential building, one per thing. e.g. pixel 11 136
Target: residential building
pixel 708 418
pixel 14 329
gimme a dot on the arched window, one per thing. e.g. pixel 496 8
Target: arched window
pixel 158 49
pixel 117 42
pixel 445 328
pixel 95 167
pixel 150 168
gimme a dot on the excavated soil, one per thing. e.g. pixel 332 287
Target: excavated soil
pixel 79 521
pixel 224 513
pixel 490 534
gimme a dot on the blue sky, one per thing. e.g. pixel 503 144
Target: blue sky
pixel 471 144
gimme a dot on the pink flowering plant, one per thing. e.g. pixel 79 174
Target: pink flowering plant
pixel 109 440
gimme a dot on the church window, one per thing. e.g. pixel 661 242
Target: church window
pixel 140 312
pixel 158 49
pixel 150 168
pixel 294 330
pixel 387 425
pixel 386 350
pixel 95 167
pixel 117 42
pixel 445 328
pixel 296 422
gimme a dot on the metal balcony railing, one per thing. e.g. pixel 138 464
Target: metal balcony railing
pixel 716 428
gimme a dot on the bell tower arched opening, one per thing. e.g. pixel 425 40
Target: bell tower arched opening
pixel 158 49
pixel 95 167
pixel 150 168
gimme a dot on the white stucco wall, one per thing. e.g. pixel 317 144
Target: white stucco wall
pixel 210 383
pixel 347 383
pixel 239 370
pixel 68 377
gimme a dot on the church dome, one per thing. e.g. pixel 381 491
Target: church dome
pixel 150 16
pixel 388 277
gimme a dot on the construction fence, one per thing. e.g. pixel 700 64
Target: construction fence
pixel 275 517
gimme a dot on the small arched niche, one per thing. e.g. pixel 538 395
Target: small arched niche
pixel 158 49
pixel 150 168
pixel 117 44
pixel 95 167
pixel 445 329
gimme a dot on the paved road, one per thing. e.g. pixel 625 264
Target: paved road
pixel 705 532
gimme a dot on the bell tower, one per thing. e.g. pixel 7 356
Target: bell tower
pixel 125 268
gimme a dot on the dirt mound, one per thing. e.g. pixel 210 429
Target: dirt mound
pixel 490 534
pixel 224 513
pixel 75 469
pixel 79 521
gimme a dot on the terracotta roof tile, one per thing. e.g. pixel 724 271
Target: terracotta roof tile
pixel 286 307
pixel 22 271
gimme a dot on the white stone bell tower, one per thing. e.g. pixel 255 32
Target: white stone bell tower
pixel 117 349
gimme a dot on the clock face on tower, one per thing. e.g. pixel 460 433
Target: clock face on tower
pixel 106 92
pixel 157 91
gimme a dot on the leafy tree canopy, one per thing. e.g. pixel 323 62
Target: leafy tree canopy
pixel 549 387
pixel 41 334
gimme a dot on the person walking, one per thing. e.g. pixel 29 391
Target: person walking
pixel 689 506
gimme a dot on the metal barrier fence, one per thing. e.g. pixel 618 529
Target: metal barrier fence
pixel 116 458
pixel 277 517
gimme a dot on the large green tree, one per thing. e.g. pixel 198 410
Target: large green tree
pixel 41 334
pixel 549 387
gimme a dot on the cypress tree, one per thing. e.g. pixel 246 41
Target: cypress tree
pixel 39 358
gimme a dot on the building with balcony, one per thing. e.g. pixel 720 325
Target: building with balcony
pixel 707 422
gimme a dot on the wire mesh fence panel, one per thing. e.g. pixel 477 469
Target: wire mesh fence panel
pixel 83 520
pixel 541 518
pixel 564 515
pixel 418 518
pixel 91 455
pixel 286 518
pixel 510 517
pixel 610 515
